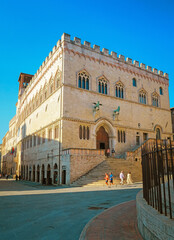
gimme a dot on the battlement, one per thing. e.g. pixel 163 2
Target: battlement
pixel 121 58
pixel 87 45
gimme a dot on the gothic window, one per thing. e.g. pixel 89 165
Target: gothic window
pixel 142 97
pixel 102 85
pixel 56 132
pixel 158 133
pixel 121 136
pixel 83 80
pixel 134 82
pixel 84 132
pixel 80 132
pixel 161 91
pixel 50 134
pixel 119 90
pixel 87 133
pixel 124 137
pixel 118 136
pixel 155 100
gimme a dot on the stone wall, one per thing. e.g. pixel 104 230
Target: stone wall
pixel 82 161
pixel 151 224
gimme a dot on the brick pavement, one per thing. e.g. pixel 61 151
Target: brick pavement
pixel 118 222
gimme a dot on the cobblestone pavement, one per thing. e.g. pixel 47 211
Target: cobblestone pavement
pixel 31 211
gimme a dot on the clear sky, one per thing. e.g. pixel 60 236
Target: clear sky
pixel 140 29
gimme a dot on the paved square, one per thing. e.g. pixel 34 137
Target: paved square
pixel 31 211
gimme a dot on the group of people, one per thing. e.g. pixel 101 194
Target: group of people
pixel 109 178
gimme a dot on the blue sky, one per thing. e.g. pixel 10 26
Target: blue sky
pixel 141 30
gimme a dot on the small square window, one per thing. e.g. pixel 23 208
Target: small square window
pixel 134 82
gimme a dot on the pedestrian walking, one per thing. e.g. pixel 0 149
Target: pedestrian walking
pixel 121 177
pixel 129 178
pixel 106 178
pixel 108 152
pixel 113 152
pixel 111 179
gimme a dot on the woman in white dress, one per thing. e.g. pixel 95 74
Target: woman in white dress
pixel 129 178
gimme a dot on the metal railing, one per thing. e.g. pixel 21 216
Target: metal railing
pixel 158 174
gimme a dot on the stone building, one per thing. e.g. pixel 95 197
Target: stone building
pixel 80 102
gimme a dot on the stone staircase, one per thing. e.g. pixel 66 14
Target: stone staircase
pixel 95 177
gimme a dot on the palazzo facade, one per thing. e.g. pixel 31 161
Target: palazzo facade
pixel 80 102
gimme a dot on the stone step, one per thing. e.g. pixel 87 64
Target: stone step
pixel 96 175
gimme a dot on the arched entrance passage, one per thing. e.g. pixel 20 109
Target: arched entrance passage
pixel 23 177
pixel 43 174
pixel 102 139
pixel 33 173
pixel 27 173
pixel 64 176
pixel 55 174
pixel 49 180
pixel 38 173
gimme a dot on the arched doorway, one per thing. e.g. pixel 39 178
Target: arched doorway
pixel 27 173
pixel 43 174
pixel 49 180
pixel 55 174
pixel 38 173
pixel 102 139
pixel 64 176
pixel 23 177
pixel 33 173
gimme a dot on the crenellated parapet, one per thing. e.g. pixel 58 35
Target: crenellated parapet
pixel 118 59
pixel 77 41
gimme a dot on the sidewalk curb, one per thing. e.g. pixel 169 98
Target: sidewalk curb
pixel 83 233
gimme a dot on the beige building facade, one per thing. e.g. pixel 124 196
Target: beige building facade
pixel 81 102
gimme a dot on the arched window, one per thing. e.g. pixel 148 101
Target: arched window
pixel 124 137
pixel 134 82
pixel 155 99
pixel 119 90
pixel 161 91
pixel 87 133
pixel 102 85
pixel 158 133
pixel 80 132
pixel 142 97
pixel 121 136
pixel 84 132
pixel 83 80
